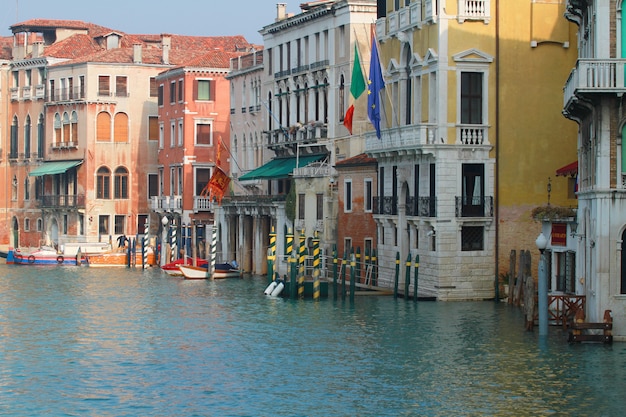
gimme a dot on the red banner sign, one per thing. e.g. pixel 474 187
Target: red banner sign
pixel 559 234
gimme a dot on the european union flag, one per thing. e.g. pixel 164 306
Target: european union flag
pixel 375 83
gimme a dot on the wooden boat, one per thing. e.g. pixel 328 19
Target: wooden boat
pixel 120 258
pixel 172 267
pixel 193 272
pixel 222 270
pixel 42 256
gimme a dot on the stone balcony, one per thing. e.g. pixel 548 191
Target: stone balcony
pixel 593 76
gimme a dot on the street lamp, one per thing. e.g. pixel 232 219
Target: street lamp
pixel 541 243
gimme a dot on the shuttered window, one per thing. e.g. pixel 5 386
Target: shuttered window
pixel 103 85
pixel 204 90
pixel 153 128
pixel 154 88
pixel 121 127
pixel 103 130
pixel 203 134
pixel 121 86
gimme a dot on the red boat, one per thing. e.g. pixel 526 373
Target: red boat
pixel 172 267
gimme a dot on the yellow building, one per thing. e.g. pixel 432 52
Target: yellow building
pixel 472 134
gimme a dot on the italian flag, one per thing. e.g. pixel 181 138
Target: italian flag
pixel 357 87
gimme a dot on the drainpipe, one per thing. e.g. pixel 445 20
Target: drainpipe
pixel 496 201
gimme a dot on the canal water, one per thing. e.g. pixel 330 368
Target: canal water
pixel 119 342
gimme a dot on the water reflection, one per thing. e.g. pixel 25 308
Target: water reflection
pixel 80 341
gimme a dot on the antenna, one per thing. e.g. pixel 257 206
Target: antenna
pixel 17 8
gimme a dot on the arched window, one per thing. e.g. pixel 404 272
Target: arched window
pixel 121 127
pixel 14 188
pixel 408 90
pixel 121 183
pixel 27 127
pixel 40 136
pixel 74 128
pixel 57 129
pixel 13 149
pixel 103 183
pixel 103 129
pixel 66 128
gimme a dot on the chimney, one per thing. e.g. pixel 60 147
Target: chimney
pixel 281 11
pixel 37 49
pixel 166 44
pixel 137 53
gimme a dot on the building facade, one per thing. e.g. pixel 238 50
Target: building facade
pixel 593 97
pixel 463 156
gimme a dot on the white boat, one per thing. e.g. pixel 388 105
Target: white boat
pixel 223 270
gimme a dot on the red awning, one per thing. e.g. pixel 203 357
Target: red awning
pixel 568 170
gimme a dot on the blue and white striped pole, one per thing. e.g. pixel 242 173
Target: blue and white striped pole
pixel 213 248
pixel 173 242
pixel 144 244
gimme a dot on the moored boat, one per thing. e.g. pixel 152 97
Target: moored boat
pixel 121 258
pixel 172 267
pixel 193 272
pixel 42 256
pixel 227 270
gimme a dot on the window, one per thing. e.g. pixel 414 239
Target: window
pixel 27 188
pixel 27 127
pixel 179 190
pixel 119 225
pixel 320 206
pixel 121 86
pixel 103 85
pixel 82 86
pixel 52 91
pixel 180 132
pixel 161 135
pixel 27 225
pixel 172 133
pixel 471 97
pixel 39 225
pixel 121 183
pixel 103 129
pixel 160 99
pixel 103 183
pixel 172 92
pixel 103 225
pixel 81 224
pixel 40 136
pixel 153 128
pixel 204 90
pixel 368 196
pixel 172 181
pixel 70 88
pixel 202 179
pixel 301 206
pixel 74 128
pixel 142 224
pixel 27 78
pixel 65 224
pixel 342 98
pixel 204 133
pixel 180 90
pixel 473 183
pixel 153 185
pixel 121 128
pixel 472 238
pixel 14 188
pixel 347 248
pixel 13 150
pixel 347 196
pixel 154 88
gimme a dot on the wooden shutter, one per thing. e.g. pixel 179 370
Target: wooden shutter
pixel 153 128
pixel 121 127
pixel 103 129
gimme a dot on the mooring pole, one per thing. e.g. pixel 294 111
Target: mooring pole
pixel 270 257
pixel 301 261
pixel 352 276
pixel 397 277
pixel 335 271
pixel 417 268
pixel 407 277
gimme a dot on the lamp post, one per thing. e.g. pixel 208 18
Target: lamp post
pixel 541 243
pixel 164 222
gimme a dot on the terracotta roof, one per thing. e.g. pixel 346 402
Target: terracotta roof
pixel 360 159
pixel 34 25
pixel 73 47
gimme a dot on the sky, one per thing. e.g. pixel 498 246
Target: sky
pixel 194 17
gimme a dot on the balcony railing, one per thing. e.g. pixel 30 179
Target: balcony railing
pixel 386 205
pixel 63 201
pixel 167 203
pixel 468 206
pixel 474 10
pixel 421 206
pixel 595 76
pixel 202 204
pixel 65 94
pixel 309 132
pixel 401 138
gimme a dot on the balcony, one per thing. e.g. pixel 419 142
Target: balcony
pixel 40 91
pixel 474 10
pixel 594 76
pixel 27 92
pixel 15 93
pixel 63 201
pixel 467 206
pixel 167 203
pixel 202 204
pixel 421 206
pixel 65 94
pixel 294 135
pixel 386 205
pixel 401 138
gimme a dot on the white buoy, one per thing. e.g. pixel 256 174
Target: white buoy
pixel 278 289
pixel 270 288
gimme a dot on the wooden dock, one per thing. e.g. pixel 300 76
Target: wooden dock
pixel 579 330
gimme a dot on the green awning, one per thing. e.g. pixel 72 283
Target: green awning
pixel 279 168
pixel 51 168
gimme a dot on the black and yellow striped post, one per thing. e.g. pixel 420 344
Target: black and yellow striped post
pixel 407 278
pixel 344 262
pixel 366 262
pixel 335 272
pixel 374 268
pixel 293 272
pixel 417 268
pixel 301 259
pixel 352 275
pixel 316 267
pixel 271 255
pixel 397 278
pixel 357 272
